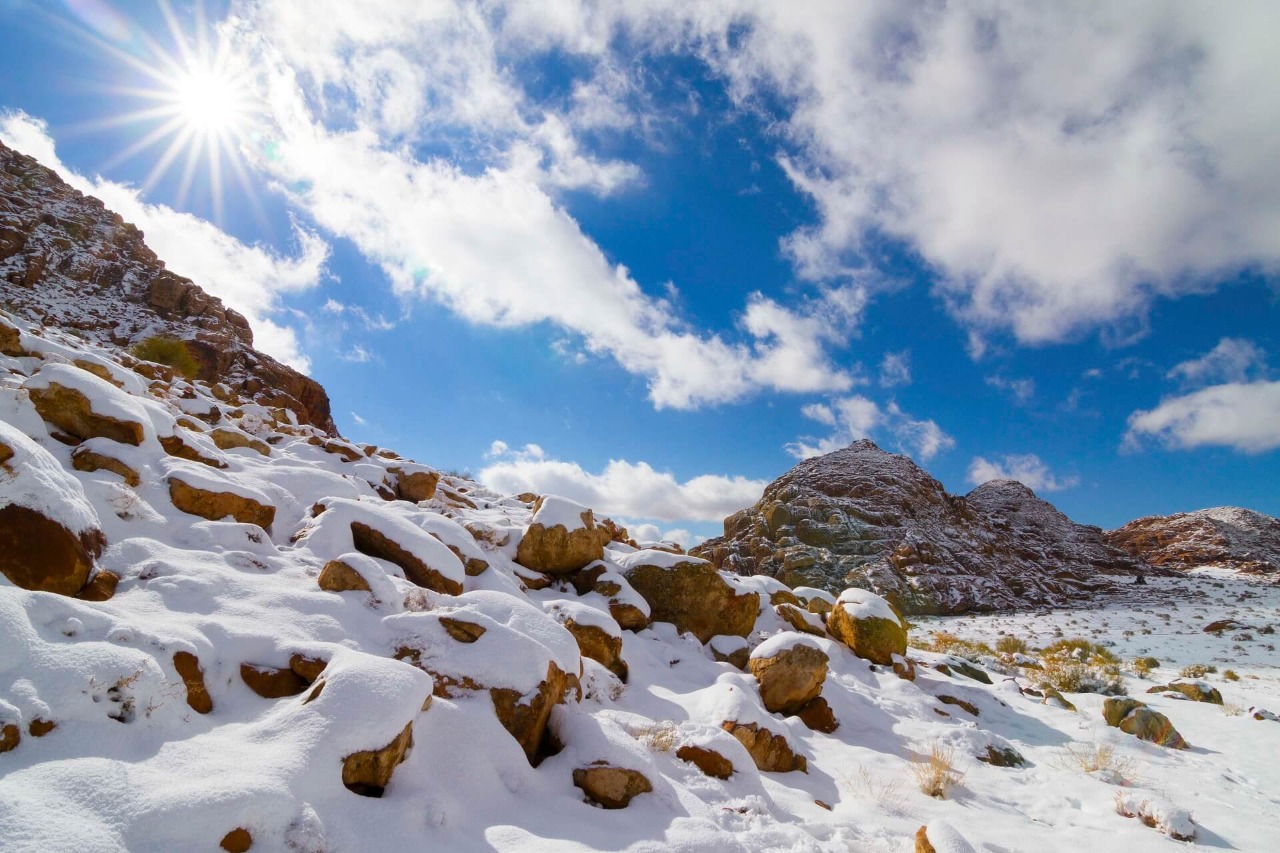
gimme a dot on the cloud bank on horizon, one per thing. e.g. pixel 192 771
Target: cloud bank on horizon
pixel 1057 169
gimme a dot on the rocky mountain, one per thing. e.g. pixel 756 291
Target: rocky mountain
pixel 68 262
pixel 864 517
pixel 1225 536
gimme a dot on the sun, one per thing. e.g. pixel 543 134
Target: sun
pixel 199 106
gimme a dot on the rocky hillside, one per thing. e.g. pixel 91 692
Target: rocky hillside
pixel 68 262
pixel 864 517
pixel 1226 536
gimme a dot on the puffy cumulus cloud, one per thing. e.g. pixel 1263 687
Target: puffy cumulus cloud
pixel 622 489
pixel 1232 360
pixel 858 417
pixel 1026 468
pixel 248 278
pixel 1019 390
pixel 1240 415
pixel 644 532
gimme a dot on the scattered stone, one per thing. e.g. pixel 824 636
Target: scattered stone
pixel 376 544
pixel 598 644
pixel 271 683
pixel 177 446
pixel 1135 718
pixel 770 752
pixel 707 760
pixel 188 667
pixel 337 576
pixel 1002 756
pixel 39 727
pixel 101 587
pixel 462 630
pixel 85 459
pixel 216 506
pixel 1196 691
pixel 527 722
pixel 238 840
pixel 800 620
pixel 818 716
pixel 38 553
pixel 790 677
pixel 416 485
pixel 690 594
pixel 561 539
pixel 730 649
pixel 10 737
pixel 959 703
pixel 230 439
pixel 1053 697
pixel 368 773
pixel 70 411
pixel 611 787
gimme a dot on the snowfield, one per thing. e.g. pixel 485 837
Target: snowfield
pixel 427 626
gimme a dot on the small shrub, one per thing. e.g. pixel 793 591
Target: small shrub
pixel 1079 666
pixel 1230 675
pixel 1232 709
pixel 661 736
pixel 1144 666
pixel 1011 646
pixel 949 644
pixel 169 351
pixel 1197 670
pixel 1100 758
pixel 935 773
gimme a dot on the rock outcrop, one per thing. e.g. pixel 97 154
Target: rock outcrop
pixel 1135 718
pixel 691 594
pixel 69 262
pixel 1225 536
pixel 862 517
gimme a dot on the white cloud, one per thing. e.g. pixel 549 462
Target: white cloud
pixel 646 532
pixel 1232 360
pixel 248 278
pixel 895 369
pixel 1026 468
pixel 623 488
pixel 359 420
pixel 357 355
pixel 1241 415
pixel 1021 390
pixel 858 417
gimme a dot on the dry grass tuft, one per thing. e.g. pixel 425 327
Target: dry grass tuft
pixel 1095 757
pixel 936 773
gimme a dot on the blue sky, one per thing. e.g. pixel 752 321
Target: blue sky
pixel 648 257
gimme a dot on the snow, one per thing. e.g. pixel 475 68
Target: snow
pixel 104 398
pixel 650 557
pixel 862 604
pixel 556 511
pixel 785 641
pixel 33 478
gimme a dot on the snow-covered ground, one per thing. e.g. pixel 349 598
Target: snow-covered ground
pixel 132 765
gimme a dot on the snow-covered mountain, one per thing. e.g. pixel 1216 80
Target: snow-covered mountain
pixel 861 516
pixel 1225 536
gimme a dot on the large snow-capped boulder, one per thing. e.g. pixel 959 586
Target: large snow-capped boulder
pixel 49 532
pixel 689 593
pixel 599 637
pixel 562 537
pixel 85 406
pixel 791 668
pixel 866 623
pixel 197 491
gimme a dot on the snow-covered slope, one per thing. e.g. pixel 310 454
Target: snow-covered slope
pixel 225 627
pixel 1225 536
pixel 862 516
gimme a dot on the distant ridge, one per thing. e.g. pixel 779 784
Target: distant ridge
pixel 1226 536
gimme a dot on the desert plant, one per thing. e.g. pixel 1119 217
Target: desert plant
pixel 1197 670
pixel 169 351
pixel 1012 646
pixel 1232 709
pixel 1095 757
pixel 1079 666
pixel 936 773
pixel 661 736
pixel 949 644
pixel 1144 665
pixel 1230 675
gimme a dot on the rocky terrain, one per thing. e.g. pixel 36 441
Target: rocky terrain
pixel 68 262
pixel 226 627
pixel 864 517
pixel 1227 536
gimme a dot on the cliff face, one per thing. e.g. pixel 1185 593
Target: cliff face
pixel 67 261
pixel 1227 536
pixel 864 517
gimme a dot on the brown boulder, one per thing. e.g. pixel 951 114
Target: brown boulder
pixel 271 683
pixel 11 341
pixel 39 727
pixel 1196 691
pixel 819 717
pixel 101 587
pixel 790 678
pixel 462 630
pixel 599 645
pixel 177 446
pixel 376 544
pixel 84 459
pixel 796 618
pixel 10 737
pixel 337 576
pixel 188 667
pixel 555 548
pixel 216 506
pixel 415 486
pixel 38 553
pixel 693 596
pixel 611 787
pixel 707 760
pixel 769 751
pixel 1135 718
pixel 527 722
pixel 368 773
pixel 70 411
pixel 238 840
pixel 867 625
pixel 923 845
pixel 230 439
